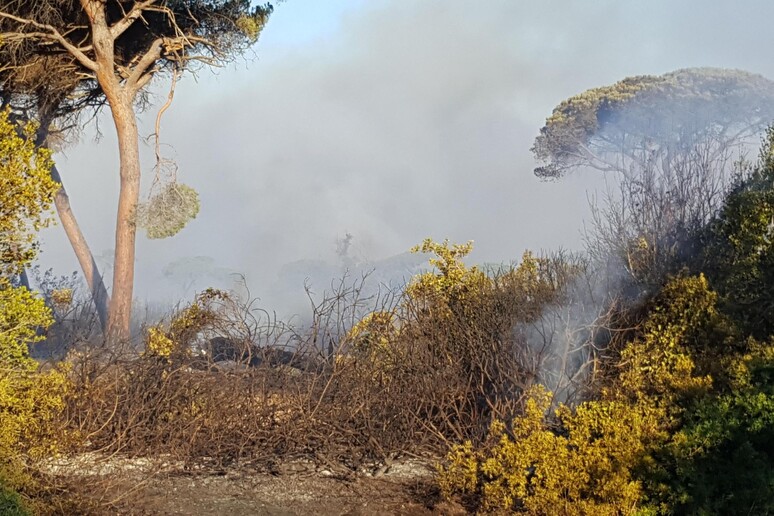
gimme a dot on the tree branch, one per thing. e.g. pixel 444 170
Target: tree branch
pixel 51 35
pixel 153 54
pixel 133 15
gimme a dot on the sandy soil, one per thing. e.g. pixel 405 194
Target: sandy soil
pixel 405 489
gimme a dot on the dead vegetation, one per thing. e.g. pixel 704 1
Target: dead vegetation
pixel 369 382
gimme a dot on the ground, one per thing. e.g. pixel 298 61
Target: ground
pixel 281 495
pixel 405 489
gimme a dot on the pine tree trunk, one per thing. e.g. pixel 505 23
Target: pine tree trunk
pixel 86 260
pixel 94 280
pixel 120 96
pixel 123 268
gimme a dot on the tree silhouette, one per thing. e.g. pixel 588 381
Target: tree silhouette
pixel 646 120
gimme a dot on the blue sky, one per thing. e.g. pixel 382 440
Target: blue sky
pixel 299 23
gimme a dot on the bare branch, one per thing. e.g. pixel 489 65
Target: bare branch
pixel 133 15
pixel 52 35
pixel 135 81
pixel 161 112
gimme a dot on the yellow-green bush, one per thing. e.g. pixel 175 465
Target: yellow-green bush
pixel 465 302
pixel 26 193
pixel 603 456
pixel 174 341
pixel 30 400
pixel 587 468
pixel 451 281
pixel 660 365
pixel 375 340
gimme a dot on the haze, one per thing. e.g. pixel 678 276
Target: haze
pixel 392 121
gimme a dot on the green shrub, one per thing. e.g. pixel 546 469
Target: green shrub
pixel 11 503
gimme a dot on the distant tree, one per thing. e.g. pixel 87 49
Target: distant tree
pixel 654 119
pixel 111 50
pixel 671 140
pixel 186 272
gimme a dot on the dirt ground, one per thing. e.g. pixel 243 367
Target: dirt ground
pixel 405 489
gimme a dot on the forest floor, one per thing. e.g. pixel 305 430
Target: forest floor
pixel 405 489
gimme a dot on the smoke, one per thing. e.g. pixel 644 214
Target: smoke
pixel 646 229
pixel 394 122
pixel 567 343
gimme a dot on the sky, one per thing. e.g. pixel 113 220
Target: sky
pixel 393 121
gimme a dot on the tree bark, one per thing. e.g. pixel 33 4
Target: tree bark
pixel 94 280
pixel 125 120
pixel 24 280
pixel 85 258
pixel 121 101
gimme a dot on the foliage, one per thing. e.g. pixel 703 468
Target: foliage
pixel 372 332
pixel 659 366
pixel 26 193
pixel 30 401
pixel 374 338
pixel 653 117
pixel 158 343
pixel 722 457
pixel 175 341
pixel 661 437
pixel 587 468
pixel 192 32
pixel 458 296
pixel 21 314
pixel 456 289
pixel 739 250
pixel 11 503
pixel 452 289
pixel 452 277
pixel 576 120
pixel 167 212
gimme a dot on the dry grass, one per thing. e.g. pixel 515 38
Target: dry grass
pixel 242 390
